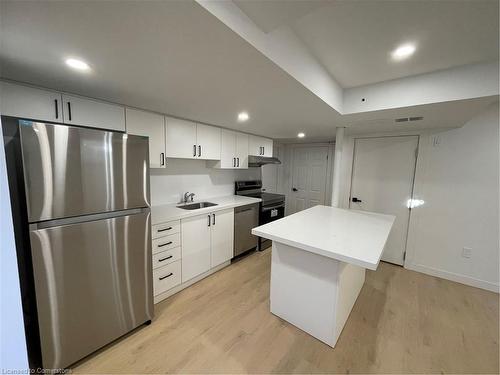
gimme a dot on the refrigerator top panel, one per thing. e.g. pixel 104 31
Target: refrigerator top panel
pixel 71 171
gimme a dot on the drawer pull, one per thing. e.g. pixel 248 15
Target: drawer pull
pixel 165 244
pixel 164 277
pixel 162 259
pixel 163 230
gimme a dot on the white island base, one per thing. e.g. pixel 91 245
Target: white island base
pixel 319 257
pixel 313 292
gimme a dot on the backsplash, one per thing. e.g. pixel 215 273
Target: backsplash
pixel 168 184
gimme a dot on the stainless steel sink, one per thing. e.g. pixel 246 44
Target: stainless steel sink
pixel 196 206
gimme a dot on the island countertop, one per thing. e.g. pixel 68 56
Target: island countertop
pixel 351 236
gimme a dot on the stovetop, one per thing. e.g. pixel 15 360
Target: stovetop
pixel 253 189
pixel 267 198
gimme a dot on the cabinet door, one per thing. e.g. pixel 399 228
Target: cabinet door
pixel 195 246
pixel 228 149
pixel 150 125
pixel 30 103
pixel 208 139
pixel 241 150
pixel 93 113
pixel 267 145
pixel 181 139
pixel 222 236
pixel 255 145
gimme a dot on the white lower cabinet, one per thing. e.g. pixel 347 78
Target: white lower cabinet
pixel 195 245
pixel 222 237
pixel 207 242
pixel 166 277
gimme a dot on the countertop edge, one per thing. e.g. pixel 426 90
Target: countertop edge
pixel 318 251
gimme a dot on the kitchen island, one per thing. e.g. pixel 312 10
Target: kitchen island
pixel 319 257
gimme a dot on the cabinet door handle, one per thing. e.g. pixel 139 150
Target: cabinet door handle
pixel 165 244
pixel 162 159
pixel 213 219
pixel 163 230
pixel 69 111
pixel 208 220
pixel 57 108
pixel 234 162
pixel 164 277
pixel 238 162
pixel 263 150
pixel 194 150
pixel 166 258
pixel 199 150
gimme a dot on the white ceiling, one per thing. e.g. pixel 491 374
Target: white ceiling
pixel 174 57
pixel 353 39
pixel 167 56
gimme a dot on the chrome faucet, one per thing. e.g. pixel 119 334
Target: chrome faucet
pixel 188 197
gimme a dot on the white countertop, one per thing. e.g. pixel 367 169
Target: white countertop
pixel 351 236
pixel 168 212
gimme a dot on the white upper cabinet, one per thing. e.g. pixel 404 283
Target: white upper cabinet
pixel 208 139
pixel 234 150
pixel 188 140
pixel 151 125
pixel 228 150
pixel 260 146
pixel 30 103
pixel 241 150
pixel 93 113
pixel 181 139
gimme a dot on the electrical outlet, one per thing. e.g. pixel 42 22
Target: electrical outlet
pixel 466 252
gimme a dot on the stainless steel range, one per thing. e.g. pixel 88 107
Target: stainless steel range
pixel 271 208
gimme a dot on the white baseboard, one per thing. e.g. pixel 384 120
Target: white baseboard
pixel 178 288
pixel 467 280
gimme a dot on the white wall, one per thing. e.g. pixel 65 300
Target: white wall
pixel 459 181
pixel 464 82
pixel 169 184
pixel 13 354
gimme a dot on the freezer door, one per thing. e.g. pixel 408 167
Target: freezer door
pixel 93 284
pixel 71 171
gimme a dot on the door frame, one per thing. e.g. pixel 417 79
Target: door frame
pixel 417 152
pixel 329 170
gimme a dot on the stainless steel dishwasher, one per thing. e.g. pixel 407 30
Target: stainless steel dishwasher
pixel 245 218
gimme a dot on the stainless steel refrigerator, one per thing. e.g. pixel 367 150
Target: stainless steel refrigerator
pixel 87 201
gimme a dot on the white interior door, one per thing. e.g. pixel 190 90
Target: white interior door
pixel 382 181
pixel 309 173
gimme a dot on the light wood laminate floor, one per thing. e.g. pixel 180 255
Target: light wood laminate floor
pixel 402 322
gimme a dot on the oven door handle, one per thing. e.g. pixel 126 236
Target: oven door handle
pixel 265 209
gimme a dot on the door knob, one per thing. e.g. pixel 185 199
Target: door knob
pixel 356 200
pixel 294 189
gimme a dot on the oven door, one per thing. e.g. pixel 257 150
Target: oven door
pixel 271 213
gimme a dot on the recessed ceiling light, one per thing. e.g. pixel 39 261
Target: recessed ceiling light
pixel 78 64
pixel 403 51
pixel 243 116
pixel 301 135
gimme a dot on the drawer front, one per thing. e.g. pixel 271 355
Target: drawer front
pixel 166 257
pixel 165 229
pixel 166 277
pixel 166 243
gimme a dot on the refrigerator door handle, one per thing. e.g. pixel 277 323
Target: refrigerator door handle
pixel 86 218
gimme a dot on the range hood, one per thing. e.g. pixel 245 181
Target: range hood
pixel 258 161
